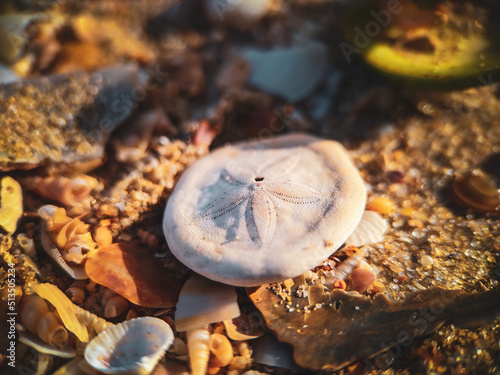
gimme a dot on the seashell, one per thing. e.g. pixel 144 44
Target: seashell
pixel 68 191
pixel 42 347
pixel 477 190
pixel 240 13
pixel 132 270
pixel 76 291
pixel 102 234
pixel 64 307
pixel 11 204
pixel 246 199
pixel 115 306
pixel 27 244
pixel 198 341
pixel 343 271
pixel 38 319
pixel 234 333
pixel 67 240
pixel 221 351
pixel 203 301
pixel 370 230
pixel 132 347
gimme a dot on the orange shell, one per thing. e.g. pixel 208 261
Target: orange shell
pixel 130 269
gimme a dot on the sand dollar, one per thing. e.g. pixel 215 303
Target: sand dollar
pixel 264 211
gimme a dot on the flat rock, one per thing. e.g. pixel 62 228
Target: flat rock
pixel 63 119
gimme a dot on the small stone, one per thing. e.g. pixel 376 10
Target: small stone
pixel 426 261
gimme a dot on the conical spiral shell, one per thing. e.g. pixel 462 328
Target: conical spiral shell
pixel 38 319
pixel 198 341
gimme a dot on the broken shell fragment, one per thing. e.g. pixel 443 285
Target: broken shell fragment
pixel 11 204
pixel 264 211
pixel 131 269
pixel 67 240
pixel 204 301
pixel 132 347
pixel 370 230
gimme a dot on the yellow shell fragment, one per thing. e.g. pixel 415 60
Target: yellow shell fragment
pixel 11 204
pixel 65 309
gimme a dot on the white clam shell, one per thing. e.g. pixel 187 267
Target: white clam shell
pixel 203 301
pixel 132 347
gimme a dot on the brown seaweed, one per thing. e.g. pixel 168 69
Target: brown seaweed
pixel 339 328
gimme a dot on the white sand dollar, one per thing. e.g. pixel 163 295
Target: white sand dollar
pixel 264 211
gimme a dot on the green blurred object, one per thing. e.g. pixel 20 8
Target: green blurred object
pixel 421 47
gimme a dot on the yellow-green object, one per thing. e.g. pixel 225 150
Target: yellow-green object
pixel 65 309
pixel 11 204
pixel 453 56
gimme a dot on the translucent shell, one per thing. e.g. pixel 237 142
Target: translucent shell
pixel 203 301
pixel 221 351
pixel 133 271
pixel 370 230
pixel 132 347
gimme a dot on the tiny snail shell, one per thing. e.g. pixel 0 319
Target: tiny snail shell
pixel 38 319
pixel 116 306
pixel 198 341
pixel 76 292
pixel 221 351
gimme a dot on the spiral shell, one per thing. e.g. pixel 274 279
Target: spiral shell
pixel 198 341
pixel 76 291
pixel 68 191
pixel 114 304
pixel 67 240
pixel 38 319
pixel 221 351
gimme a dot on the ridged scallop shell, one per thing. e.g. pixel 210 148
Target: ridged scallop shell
pixel 132 347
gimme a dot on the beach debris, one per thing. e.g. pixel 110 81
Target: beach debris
pixel 132 270
pixel 370 229
pixel 11 204
pixel 264 211
pixel 132 347
pixel 67 240
pixel 38 319
pixel 203 301
pixel 292 73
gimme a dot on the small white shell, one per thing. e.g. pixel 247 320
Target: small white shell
pixel 203 301
pixel 370 230
pixel 132 347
